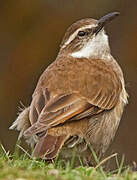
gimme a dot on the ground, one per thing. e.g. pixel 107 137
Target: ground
pixel 25 167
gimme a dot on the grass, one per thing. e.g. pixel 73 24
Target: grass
pixel 24 167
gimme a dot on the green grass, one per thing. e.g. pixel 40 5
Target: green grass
pixel 15 167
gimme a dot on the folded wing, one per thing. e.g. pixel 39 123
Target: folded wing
pixel 65 92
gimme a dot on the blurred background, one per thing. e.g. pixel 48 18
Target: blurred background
pixel 30 34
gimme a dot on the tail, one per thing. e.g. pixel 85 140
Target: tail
pixel 49 146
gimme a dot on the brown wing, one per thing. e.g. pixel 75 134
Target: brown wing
pixel 71 89
pixel 60 111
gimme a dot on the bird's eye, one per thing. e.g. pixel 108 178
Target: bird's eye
pixel 81 33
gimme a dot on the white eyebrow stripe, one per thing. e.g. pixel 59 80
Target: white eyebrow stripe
pixel 98 46
pixel 74 34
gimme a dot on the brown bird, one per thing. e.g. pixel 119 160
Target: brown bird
pixel 80 97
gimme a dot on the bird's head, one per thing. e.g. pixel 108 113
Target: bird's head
pixel 86 38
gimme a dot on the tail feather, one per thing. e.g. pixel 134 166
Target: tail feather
pixel 49 146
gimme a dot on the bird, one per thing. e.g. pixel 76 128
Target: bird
pixel 80 97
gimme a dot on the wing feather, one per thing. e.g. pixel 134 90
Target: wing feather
pixel 73 89
pixel 47 119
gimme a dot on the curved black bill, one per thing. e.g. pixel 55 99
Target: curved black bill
pixel 104 20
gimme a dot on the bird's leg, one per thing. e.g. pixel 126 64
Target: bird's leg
pixel 73 140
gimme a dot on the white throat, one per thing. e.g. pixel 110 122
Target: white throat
pixel 97 47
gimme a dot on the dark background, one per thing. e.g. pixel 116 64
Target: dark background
pixel 30 34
